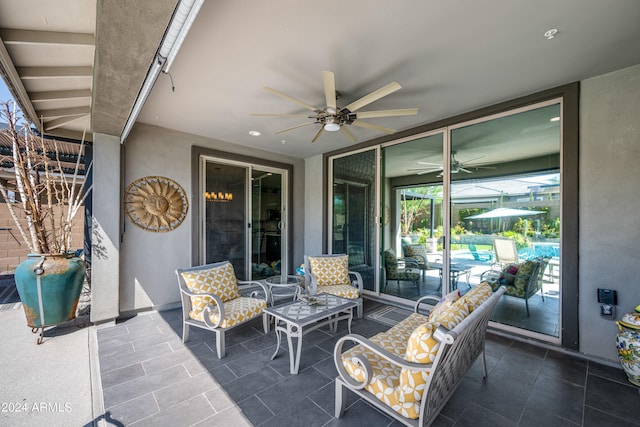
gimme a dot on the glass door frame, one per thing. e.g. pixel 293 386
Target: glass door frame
pixel 249 168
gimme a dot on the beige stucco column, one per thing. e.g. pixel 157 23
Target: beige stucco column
pixel 105 234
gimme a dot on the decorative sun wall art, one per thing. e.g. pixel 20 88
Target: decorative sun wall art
pixel 156 203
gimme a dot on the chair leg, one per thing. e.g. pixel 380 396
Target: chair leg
pixel 220 344
pixel 526 303
pixel 185 332
pixel 484 365
pixel 341 399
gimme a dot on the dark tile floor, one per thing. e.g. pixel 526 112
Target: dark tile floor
pixel 150 378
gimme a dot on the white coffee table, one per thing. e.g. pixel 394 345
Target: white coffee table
pixel 298 318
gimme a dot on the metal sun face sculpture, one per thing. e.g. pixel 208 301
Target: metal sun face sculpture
pixel 156 203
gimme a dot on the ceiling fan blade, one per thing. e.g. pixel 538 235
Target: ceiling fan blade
pixel 295 127
pixel 464 170
pixel 373 96
pixel 387 113
pixel 429 163
pixel 329 82
pixel 373 127
pixel 466 162
pixel 348 133
pixel 279 115
pixel 290 98
pixel 424 170
pixel 318 134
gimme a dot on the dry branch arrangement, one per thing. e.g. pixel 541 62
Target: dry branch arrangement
pixel 49 194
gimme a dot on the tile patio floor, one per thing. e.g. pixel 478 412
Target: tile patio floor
pixel 149 378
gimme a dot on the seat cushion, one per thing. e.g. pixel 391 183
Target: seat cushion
pixel 235 311
pixel 220 281
pixel 343 291
pixel 330 270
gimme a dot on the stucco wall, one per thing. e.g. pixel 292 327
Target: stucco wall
pixel 148 260
pixel 609 202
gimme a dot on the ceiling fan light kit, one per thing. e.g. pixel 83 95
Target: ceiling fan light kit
pixel 333 118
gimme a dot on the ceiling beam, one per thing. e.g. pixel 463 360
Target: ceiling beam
pixel 59 95
pixel 56 123
pixel 13 36
pixel 54 72
pixel 64 112
pixel 70 134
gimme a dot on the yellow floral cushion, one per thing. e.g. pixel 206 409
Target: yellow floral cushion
pixel 477 295
pixel 421 348
pixel 220 281
pixel 343 291
pixel 235 311
pixel 444 303
pixel 330 270
pixel 452 315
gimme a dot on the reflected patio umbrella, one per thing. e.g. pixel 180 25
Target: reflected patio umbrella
pixel 504 212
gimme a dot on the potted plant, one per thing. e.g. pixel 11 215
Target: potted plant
pixel 49 195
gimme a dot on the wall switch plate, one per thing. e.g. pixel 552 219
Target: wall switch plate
pixel 607 296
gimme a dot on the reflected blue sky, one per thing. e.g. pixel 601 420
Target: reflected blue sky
pixel 5 95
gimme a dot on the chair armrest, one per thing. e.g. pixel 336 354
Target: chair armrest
pixel 416 308
pixel 358 281
pixel 243 284
pixel 361 359
pixel 488 275
pixel 208 308
pixel 410 262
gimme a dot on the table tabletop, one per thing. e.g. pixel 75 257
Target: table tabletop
pixel 284 280
pixel 302 313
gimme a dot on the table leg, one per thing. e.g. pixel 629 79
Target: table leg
pixel 350 319
pixel 278 331
pixel 294 331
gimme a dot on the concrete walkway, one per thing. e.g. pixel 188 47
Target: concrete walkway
pixel 48 384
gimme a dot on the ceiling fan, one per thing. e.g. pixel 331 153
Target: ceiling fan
pixel 456 166
pixel 333 118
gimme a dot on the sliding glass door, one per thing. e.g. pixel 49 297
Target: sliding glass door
pixel 244 218
pixel 446 220
pixel 505 212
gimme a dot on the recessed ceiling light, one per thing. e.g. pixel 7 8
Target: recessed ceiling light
pixel 254 133
pixel 284 141
pixel 554 119
pixel 549 34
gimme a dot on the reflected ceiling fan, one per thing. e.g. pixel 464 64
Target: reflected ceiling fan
pixel 456 166
pixel 333 118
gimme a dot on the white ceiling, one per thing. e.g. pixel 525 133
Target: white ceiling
pixel 49 57
pixel 449 57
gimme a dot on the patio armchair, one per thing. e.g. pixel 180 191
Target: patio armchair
pixel 416 253
pixel 505 251
pixel 403 269
pixel 212 300
pixel 332 276
pixel 520 280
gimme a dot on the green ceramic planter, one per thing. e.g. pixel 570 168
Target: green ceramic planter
pixel 61 282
